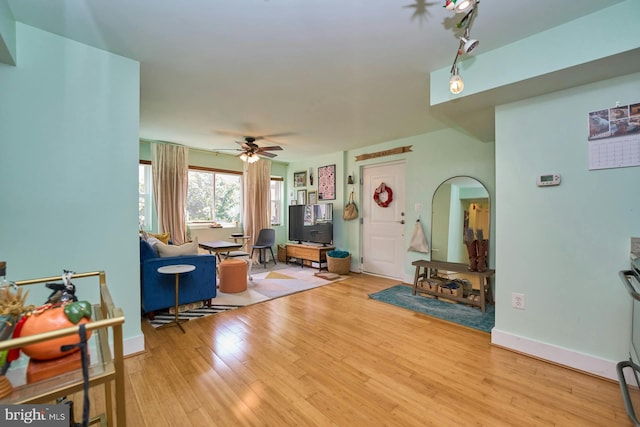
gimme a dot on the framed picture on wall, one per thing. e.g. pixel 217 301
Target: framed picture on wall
pixel 301 197
pixel 299 179
pixel 312 197
pixel 327 182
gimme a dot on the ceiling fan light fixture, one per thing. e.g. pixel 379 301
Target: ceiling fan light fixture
pixel 252 158
pixel 455 82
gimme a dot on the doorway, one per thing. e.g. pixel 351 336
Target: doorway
pixel 383 251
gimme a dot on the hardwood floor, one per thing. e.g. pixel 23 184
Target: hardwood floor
pixel 333 357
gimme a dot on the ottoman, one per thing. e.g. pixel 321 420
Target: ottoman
pixel 233 276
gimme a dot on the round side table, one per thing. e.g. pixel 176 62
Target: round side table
pixel 177 270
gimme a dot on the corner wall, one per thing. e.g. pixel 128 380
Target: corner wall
pixel 69 118
pixel 562 247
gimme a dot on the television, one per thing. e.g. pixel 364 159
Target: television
pixel 311 223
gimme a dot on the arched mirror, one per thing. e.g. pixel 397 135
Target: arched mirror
pixel 459 204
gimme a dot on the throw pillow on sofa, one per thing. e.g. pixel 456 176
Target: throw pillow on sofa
pixel 164 237
pixel 165 251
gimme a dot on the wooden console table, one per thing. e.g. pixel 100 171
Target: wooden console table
pixel 308 252
pixel 483 277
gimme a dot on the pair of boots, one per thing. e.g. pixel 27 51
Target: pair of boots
pixel 477 254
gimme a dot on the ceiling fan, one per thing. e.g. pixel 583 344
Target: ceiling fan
pixel 251 150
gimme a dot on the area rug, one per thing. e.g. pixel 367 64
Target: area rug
pixel 472 317
pixel 264 286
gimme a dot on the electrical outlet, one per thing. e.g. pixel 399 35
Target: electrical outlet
pixel 517 300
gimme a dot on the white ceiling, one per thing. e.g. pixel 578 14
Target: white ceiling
pixel 330 75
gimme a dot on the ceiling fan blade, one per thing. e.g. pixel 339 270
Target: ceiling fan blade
pixel 277 135
pixel 228 133
pixel 272 148
pixel 266 154
pixel 244 145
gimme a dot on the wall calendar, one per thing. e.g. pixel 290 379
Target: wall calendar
pixel 614 137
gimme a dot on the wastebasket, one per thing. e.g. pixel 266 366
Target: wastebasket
pixel 338 265
pixel 282 253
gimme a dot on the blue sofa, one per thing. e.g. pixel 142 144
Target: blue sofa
pixel 158 290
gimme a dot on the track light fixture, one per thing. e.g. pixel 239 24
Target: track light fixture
pixel 455 82
pixel 460 6
pixel 467 44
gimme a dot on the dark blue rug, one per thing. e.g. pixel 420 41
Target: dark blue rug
pixel 400 295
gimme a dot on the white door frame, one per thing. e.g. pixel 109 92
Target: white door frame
pixel 396 269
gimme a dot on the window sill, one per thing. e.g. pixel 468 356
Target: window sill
pixel 202 226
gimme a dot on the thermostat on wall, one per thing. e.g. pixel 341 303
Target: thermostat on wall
pixel 547 180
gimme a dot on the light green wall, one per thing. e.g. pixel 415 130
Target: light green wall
pixel 69 131
pixel 338 203
pixel 435 157
pixel 563 246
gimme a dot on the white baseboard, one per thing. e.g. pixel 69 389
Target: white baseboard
pixel 562 356
pixel 133 345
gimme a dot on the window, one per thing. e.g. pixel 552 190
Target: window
pixel 145 191
pixel 276 200
pixel 214 196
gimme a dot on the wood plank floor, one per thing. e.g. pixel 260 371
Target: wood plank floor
pixel 333 357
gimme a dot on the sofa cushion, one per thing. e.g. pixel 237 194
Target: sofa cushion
pixel 165 251
pixel 146 251
pixel 164 237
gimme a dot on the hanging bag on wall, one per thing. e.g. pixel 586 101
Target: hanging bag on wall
pixel 350 209
pixel 418 239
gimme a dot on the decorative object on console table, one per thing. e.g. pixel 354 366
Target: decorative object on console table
pixel 301 197
pixel 482 249
pixel 47 318
pixel 312 197
pixel 327 182
pixel 472 249
pixel 12 309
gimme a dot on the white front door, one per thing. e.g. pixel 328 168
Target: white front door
pixel 383 249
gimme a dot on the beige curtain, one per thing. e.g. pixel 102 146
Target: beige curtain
pixel 170 167
pixel 257 197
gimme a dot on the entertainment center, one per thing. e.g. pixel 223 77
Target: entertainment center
pixel 311 226
pixel 308 253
